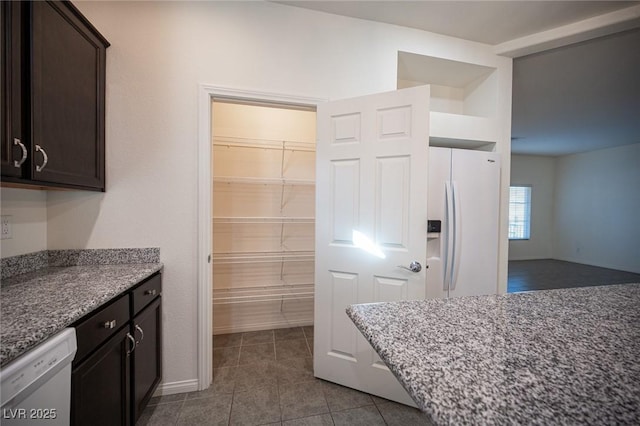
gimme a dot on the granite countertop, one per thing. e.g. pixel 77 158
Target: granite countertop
pixel 38 304
pixel 568 356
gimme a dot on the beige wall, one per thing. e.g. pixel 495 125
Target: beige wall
pixel 597 200
pixel 160 52
pixel 28 211
pixel 583 208
pixel 539 172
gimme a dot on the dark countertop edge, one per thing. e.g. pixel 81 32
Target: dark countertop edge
pixel 84 310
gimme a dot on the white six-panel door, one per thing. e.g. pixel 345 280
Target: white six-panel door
pixel 371 217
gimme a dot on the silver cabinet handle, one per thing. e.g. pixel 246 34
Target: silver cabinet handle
pixel 150 292
pixel 141 335
pixel 413 267
pixel 110 324
pixel 44 157
pixel 133 344
pixel 18 163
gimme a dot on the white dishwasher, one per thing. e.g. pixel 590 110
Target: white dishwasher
pixel 36 387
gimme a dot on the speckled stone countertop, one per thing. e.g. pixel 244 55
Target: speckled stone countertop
pixel 39 304
pixel 568 356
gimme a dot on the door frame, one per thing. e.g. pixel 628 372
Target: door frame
pixel 206 95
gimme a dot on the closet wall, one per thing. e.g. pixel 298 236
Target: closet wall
pixel 263 216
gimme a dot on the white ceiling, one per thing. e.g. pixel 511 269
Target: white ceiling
pixel 571 99
pixel 490 22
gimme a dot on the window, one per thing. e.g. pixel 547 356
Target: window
pixel 519 212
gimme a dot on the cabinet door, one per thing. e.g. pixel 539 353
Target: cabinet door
pixel 14 157
pixel 67 97
pixel 100 386
pixel 147 358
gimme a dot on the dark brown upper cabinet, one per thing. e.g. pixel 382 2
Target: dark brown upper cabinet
pixel 53 96
pixel 14 152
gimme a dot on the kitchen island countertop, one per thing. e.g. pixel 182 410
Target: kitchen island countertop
pixel 39 304
pixel 569 356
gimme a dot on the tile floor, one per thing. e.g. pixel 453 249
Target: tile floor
pixel 546 274
pixel 266 378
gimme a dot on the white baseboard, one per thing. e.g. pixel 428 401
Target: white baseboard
pixel 529 258
pixel 598 264
pixel 177 387
pixel 582 262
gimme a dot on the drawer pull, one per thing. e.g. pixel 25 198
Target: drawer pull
pixel 150 292
pixel 133 344
pixel 141 335
pixel 110 324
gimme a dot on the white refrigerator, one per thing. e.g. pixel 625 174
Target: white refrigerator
pixel 463 209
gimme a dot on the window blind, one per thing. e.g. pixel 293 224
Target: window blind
pixel 519 212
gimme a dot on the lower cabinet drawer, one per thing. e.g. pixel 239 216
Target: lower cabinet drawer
pixel 146 292
pixel 101 325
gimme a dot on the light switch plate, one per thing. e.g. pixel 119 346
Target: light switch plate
pixel 7 231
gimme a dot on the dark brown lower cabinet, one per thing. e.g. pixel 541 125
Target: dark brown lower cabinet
pixel 101 385
pixel 147 359
pixel 119 363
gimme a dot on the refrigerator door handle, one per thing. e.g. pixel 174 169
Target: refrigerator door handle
pixel 448 238
pixel 457 237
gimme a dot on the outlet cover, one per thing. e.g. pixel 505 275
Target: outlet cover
pixel 7 231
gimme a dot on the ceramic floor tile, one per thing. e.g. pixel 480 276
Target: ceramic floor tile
pixel 401 415
pixel 206 411
pixel 322 420
pixel 297 348
pixel 224 381
pixel 289 333
pixel 260 374
pixel 164 399
pixel 256 337
pixel 226 357
pixel 341 397
pixel 282 391
pixel 302 400
pixel 160 415
pixel 250 354
pixel 377 400
pixel 294 370
pixel 227 340
pixel 363 416
pixel 308 331
pixel 257 406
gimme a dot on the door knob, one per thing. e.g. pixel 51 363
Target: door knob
pixel 413 267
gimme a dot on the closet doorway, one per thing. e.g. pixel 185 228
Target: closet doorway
pixel 263 215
